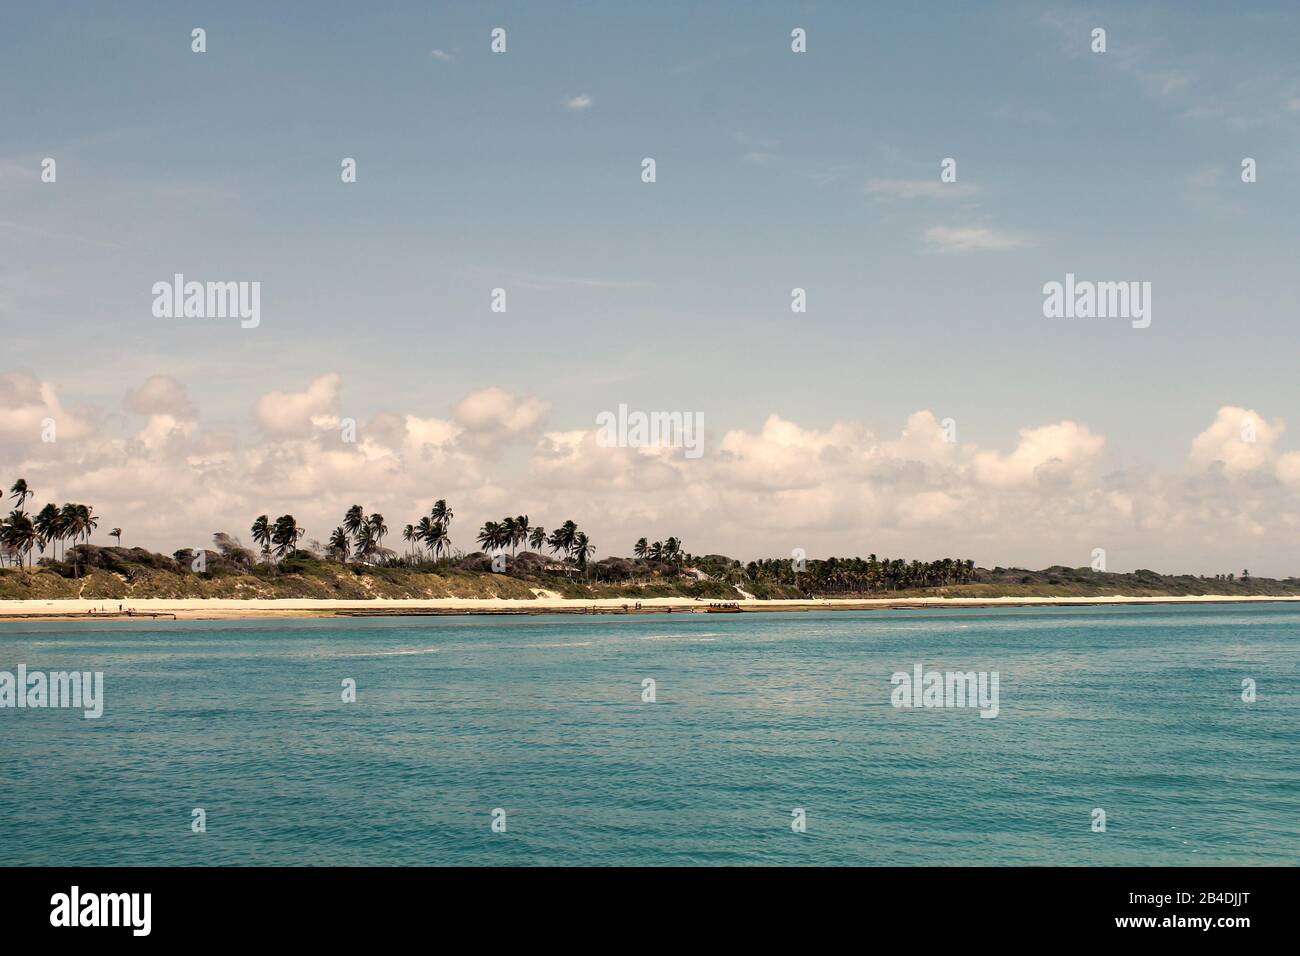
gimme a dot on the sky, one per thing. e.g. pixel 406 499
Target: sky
pixel 775 170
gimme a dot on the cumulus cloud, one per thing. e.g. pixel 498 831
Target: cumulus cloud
pixel 786 456
pixel 1239 440
pixel 924 439
pixel 429 432
pixel 911 491
pixel 1288 469
pixel 580 102
pixel 1060 451
pixel 492 416
pixel 28 406
pixel 929 509
pixel 298 413
pixel 160 395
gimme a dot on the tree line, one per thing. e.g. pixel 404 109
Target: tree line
pixel 361 537
pixel 22 533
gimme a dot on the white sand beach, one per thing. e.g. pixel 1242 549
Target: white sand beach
pixel 227 609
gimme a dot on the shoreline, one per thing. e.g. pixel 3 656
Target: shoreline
pixel 217 609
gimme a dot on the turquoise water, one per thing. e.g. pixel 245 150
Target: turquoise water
pixel 1134 710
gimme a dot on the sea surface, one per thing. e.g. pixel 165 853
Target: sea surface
pixel 1136 711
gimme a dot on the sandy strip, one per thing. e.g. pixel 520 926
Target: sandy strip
pixel 253 609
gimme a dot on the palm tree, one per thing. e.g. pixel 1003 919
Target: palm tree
pixel 365 541
pixel 640 549
pixel 424 532
pixel 21 494
pixel 73 525
pixel 562 538
pixel 22 535
pixel 25 537
pixel 89 521
pixel 18 534
pixel 62 530
pixel 408 535
pixel 657 551
pixel 490 535
pixel 377 529
pixel 353 520
pixel 672 550
pixel 582 549
pixel 440 542
pixel 522 527
pixel 285 535
pixel 116 533
pixel 340 543
pixel 262 532
pixel 442 514
pixel 537 537
pixel 47 526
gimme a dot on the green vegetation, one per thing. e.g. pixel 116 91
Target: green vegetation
pixel 355 565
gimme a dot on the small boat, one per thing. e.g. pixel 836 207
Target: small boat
pixel 722 609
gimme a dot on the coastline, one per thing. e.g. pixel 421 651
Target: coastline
pixel 216 609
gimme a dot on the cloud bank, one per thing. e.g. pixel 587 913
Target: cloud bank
pixel 1050 495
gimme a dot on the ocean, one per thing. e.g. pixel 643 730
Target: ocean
pixel 772 739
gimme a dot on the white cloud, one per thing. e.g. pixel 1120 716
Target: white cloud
pixel 26 404
pixel 298 413
pixel 429 432
pixel 442 56
pixel 1055 452
pixel 492 416
pixel 580 102
pixel 970 239
pixel 162 430
pixel 837 488
pixel 1288 469
pixel 928 509
pixel 1239 440
pixel 160 395
pixel 783 455
pixel 922 440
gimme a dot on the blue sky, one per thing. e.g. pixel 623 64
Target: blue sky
pixel 775 170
